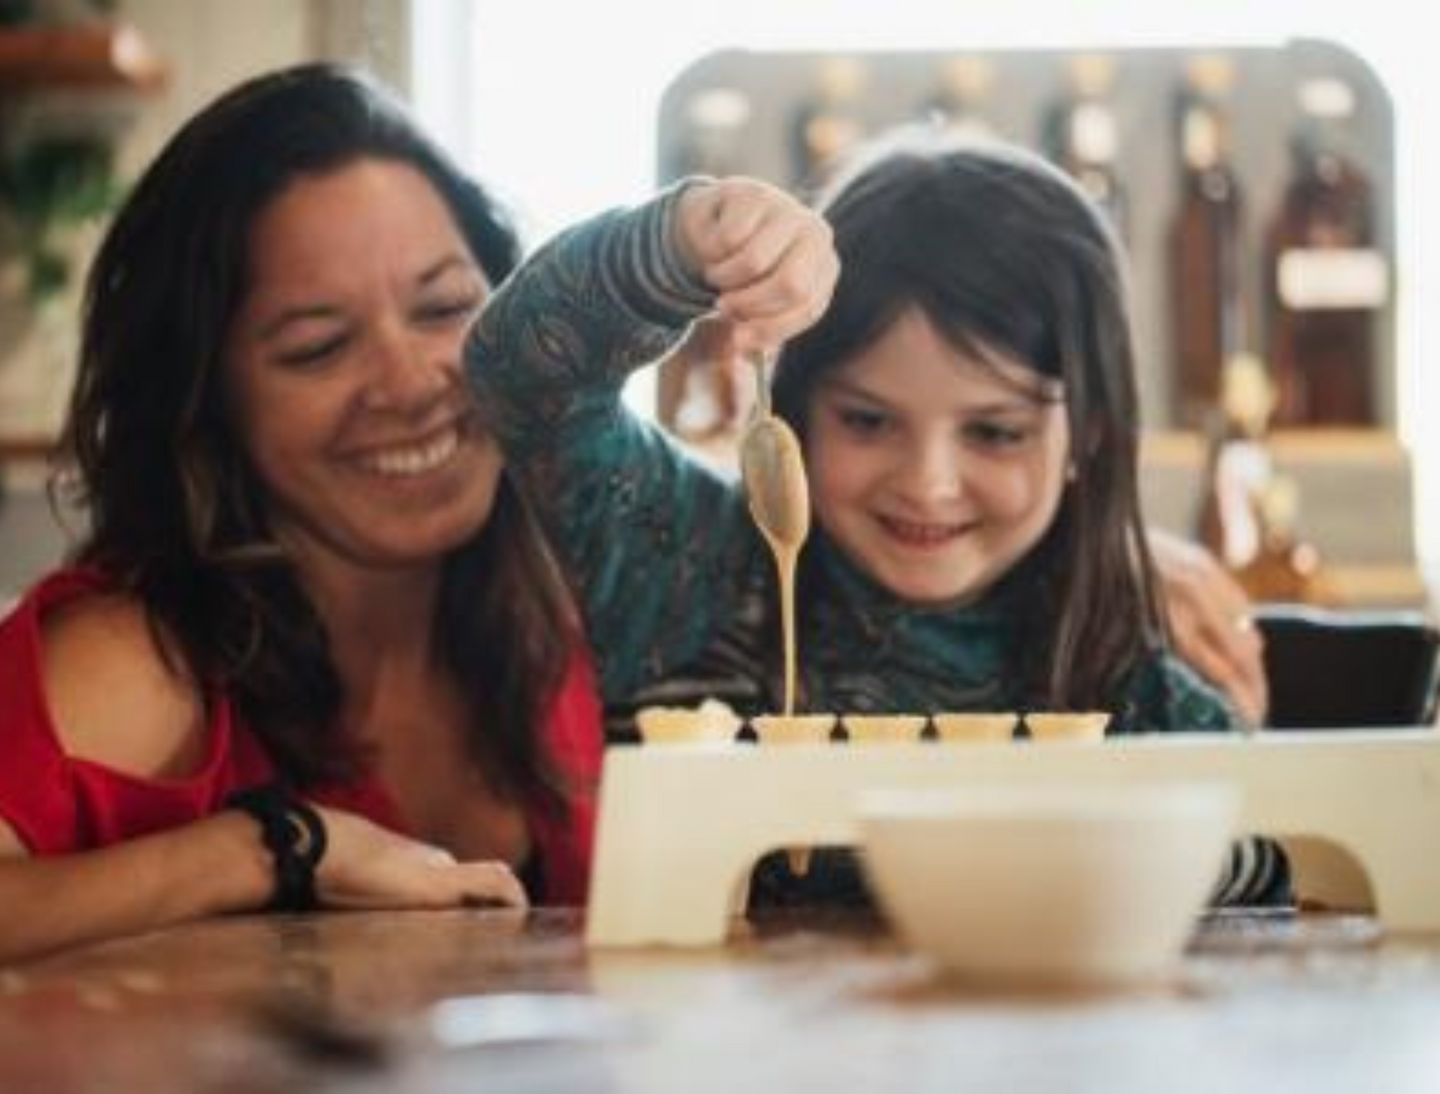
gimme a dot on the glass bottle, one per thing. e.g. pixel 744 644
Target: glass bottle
pixel 1080 133
pixel 1286 567
pixel 959 105
pixel 1327 282
pixel 828 124
pixel 1206 294
pixel 1238 467
pixel 712 138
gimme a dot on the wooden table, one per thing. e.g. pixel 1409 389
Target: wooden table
pixel 805 1003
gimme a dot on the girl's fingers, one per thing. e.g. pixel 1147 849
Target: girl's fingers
pixel 762 253
pixel 786 302
pixel 766 335
pixel 718 218
pixel 736 231
pixel 771 260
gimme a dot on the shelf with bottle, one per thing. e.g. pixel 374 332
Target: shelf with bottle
pixel 1079 131
pixel 1192 150
pixel 829 122
pixel 1327 279
pixel 89 55
pixel 1248 514
pixel 26 449
pixel 1203 147
pixel 1207 300
pixel 1354 504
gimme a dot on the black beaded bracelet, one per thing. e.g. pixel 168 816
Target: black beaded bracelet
pixel 295 836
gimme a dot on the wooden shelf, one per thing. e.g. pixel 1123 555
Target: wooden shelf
pixel 87 56
pixel 27 449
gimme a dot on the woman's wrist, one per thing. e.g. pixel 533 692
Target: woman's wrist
pixel 248 880
pixel 293 833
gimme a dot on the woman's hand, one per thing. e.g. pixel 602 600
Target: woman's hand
pixel 367 866
pixel 1210 618
pixel 770 258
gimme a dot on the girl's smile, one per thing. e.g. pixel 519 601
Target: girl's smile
pixel 935 470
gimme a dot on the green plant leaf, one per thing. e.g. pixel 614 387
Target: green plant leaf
pixel 50 182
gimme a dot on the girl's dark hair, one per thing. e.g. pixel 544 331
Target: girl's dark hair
pixel 178 516
pixel 1005 256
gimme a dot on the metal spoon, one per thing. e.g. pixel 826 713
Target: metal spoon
pixel 773 470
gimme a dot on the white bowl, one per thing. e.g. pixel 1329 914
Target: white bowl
pixel 1053 884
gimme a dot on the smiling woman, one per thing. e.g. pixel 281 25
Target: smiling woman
pixel 343 373
pixel 313 648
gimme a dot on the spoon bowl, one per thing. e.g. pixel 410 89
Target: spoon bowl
pixel 773 469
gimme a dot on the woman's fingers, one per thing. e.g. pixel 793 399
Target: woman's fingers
pixel 368 866
pixel 487 883
pixel 1214 628
pixel 1228 652
pixel 1210 618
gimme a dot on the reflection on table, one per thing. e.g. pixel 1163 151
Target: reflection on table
pixel 346 1002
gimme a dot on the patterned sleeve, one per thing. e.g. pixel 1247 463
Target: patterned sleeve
pixel 654 542
pixel 1164 695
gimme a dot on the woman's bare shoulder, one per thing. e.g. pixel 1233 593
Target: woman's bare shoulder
pixel 112 696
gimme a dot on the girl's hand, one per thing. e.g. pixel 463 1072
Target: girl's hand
pixel 770 258
pixel 366 866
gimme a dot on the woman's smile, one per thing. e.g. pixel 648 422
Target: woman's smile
pixel 413 458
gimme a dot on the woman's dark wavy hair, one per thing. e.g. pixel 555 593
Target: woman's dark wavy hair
pixel 177 514
pixel 1005 256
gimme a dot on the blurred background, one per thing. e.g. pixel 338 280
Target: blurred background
pixel 1268 164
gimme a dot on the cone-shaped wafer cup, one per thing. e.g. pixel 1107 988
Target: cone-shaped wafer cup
pixel 1077 726
pixel 969 726
pixel 793 729
pixel 884 728
pixel 710 722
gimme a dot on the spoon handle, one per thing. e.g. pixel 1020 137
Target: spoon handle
pixel 760 359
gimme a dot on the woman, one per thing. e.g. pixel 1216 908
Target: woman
pixel 308 590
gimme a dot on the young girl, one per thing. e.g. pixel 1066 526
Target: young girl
pixel 968 412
